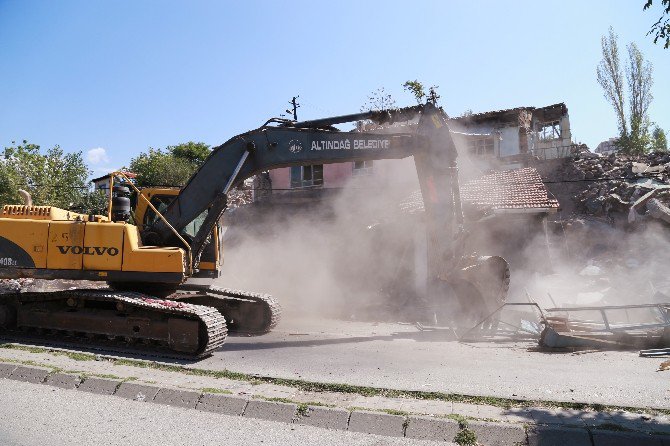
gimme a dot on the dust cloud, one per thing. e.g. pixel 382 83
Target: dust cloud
pixel 354 255
pixel 323 258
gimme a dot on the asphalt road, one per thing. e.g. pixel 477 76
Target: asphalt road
pixel 402 357
pixel 38 415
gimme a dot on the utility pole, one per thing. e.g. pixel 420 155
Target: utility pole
pixel 294 107
pixel 432 95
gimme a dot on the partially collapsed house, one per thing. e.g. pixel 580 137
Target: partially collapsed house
pixel 511 136
pixel 505 214
pixel 496 140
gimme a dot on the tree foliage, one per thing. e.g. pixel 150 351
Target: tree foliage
pixel 661 29
pixel 378 100
pixel 92 202
pixel 419 92
pixel 172 166
pixel 633 121
pixel 659 140
pixel 610 78
pixel 416 88
pixel 53 178
pixel 195 152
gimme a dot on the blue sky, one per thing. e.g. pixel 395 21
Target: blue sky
pixel 117 77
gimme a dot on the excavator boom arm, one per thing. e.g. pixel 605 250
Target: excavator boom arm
pixel 317 142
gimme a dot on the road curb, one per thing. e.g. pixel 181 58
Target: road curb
pixel 498 434
pixel 6 369
pixel 378 423
pixel 223 404
pixel 431 428
pixel 101 386
pixel 558 436
pixel 137 392
pixel 63 380
pixel 178 398
pixel 325 417
pixel 33 375
pixel 271 410
pixel 609 438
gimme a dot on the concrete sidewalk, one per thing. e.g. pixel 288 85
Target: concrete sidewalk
pixel 490 425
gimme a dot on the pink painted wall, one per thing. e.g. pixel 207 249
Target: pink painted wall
pixel 334 175
pixel 281 178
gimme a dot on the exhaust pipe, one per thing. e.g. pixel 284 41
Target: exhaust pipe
pixel 27 200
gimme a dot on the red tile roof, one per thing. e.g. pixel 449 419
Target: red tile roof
pixel 517 189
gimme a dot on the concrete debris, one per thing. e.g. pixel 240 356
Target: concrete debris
pixel 658 210
pixel 239 196
pixel 624 185
pixel 12 285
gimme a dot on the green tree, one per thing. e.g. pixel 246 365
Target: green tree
pixel 634 135
pixel 93 202
pixel 416 88
pixel 170 167
pixel 659 140
pixel 419 92
pixel 661 29
pixel 610 78
pixel 53 178
pixel 195 152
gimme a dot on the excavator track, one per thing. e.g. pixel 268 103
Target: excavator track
pixel 118 321
pixel 246 312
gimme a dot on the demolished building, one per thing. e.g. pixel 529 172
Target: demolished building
pixel 512 136
pixel 500 139
pixel 504 213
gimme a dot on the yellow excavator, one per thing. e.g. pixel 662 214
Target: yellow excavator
pixel 149 307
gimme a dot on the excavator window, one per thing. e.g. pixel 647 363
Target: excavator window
pixel 193 227
pixel 161 203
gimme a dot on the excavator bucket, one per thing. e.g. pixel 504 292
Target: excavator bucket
pixel 474 291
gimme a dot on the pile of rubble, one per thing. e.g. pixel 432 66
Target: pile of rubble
pixel 624 187
pixel 594 166
pixel 239 196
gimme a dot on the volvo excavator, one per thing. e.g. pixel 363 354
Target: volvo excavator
pixel 149 306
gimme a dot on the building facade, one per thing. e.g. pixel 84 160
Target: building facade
pixel 496 140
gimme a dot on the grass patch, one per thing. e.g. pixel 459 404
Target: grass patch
pixel 75 356
pixel 465 437
pixel 316 403
pixel 215 390
pixel 460 419
pixel 401 413
pixel 107 376
pixel 302 409
pixel 25 348
pixel 276 399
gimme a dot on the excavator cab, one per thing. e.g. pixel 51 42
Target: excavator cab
pixel 145 217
